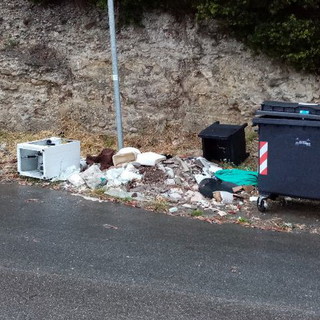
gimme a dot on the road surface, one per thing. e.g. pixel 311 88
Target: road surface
pixel 63 257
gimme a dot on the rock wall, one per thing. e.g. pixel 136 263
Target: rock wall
pixel 55 64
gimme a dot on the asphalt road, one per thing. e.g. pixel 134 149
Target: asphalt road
pixel 60 259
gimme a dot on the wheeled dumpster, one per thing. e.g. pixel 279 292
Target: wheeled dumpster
pixel 289 151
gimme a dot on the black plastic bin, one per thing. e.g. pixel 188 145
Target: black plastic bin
pixel 224 142
pixel 289 152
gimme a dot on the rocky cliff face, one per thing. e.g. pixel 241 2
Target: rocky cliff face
pixel 55 64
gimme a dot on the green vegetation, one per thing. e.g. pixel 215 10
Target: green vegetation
pixel 158 205
pixel 196 213
pixel 289 30
pixel 243 220
pixel 284 29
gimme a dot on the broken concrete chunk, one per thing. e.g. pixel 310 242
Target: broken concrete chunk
pixel 195 196
pixel 114 173
pixel 127 176
pixel 182 164
pixel 169 172
pixel 175 196
pixel 120 176
pixel 76 180
pixel 221 213
pixel 170 182
pixel 118 193
pixel 149 158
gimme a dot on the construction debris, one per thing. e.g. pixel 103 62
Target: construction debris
pixel 177 185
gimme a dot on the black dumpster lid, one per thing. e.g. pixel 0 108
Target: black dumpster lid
pixel 285 122
pixel 294 107
pixel 279 109
pixel 217 130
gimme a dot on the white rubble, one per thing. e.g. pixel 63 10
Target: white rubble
pixel 149 158
pixel 93 177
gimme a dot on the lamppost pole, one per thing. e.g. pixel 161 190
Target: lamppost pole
pixel 115 73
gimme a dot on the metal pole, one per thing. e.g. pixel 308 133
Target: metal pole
pixel 115 73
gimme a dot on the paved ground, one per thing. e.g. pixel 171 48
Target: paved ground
pixel 60 259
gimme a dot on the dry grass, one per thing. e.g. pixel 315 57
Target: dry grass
pixel 170 142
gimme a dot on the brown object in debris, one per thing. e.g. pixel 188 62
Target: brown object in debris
pixel 248 189
pixel 237 189
pixel 217 196
pixel 104 158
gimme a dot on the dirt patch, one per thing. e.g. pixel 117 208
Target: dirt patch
pixel 152 175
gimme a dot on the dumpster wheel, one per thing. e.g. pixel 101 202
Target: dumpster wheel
pixel 262 204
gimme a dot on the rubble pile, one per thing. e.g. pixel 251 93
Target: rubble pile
pixel 184 185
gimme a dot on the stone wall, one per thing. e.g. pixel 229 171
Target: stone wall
pixel 55 64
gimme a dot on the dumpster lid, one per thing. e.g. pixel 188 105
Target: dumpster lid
pixel 299 108
pixel 285 122
pixel 217 130
pixel 288 115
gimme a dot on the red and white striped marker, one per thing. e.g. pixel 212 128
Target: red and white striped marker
pixel 263 155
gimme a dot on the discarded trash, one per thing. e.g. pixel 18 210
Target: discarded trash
pixel 169 172
pixel 184 167
pixel 109 226
pixel 223 196
pixel 175 194
pixel 66 173
pixel 118 193
pixel 128 150
pixel 51 158
pixel 125 155
pixel 123 158
pixel 120 176
pixel 232 137
pixel 172 179
pixel 170 182
pixel 83 164
pixel 208 186
pixel 104 158
pixel 149 158
pixel 76 180
pixel 93 177
pixel 201 177
pixel 222 213
pixel 238 177
pixel 32 200
pixel 253 199
pixel 208 166
pixel 152 175
pixel 195 196
pixel 237 189
pixel 173 209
